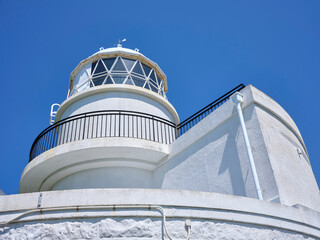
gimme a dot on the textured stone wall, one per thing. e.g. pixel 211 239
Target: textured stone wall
pixel 139 228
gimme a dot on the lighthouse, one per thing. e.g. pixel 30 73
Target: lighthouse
pixel 114 127
pixel 116 162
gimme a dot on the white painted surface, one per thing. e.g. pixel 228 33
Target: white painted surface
pixel 292 171
pixel 100 215
pixel 145 228
pixel 210 157
pixel 112 177
pixel 117 101
pixel 43 172
pixel 118 97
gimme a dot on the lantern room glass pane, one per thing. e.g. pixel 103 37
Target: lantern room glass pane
pixel 98 81
pixel 152 76
pixel 109 81
pixel 153 88
pixel 138 82
pixel 93 66
pixel 158 80
pixel 108 62
pixel 128 62
pixel 137 69
pixel 100 68
pixel 146 69
pixel 119 67
pixel 118 79
pixel 147 86
pixel 153 82
pixel 129 81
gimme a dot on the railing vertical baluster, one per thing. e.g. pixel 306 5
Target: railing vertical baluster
pixel 48 140
pixel 72 128
pixel 92 125
pixel 145 128
pixel 132 135
pixel 128 126
pixel 97 118
pixel 45 143
pixel 75 131
pixel 119 123
pixel 157 131
pixel 137 126
pixel 161 132
pixel 110 117
pixel 141 126
pixel 40 145
pixel 106 125
pixel 84 126
pixel 166 128
pixel 153 127
pixel 51 139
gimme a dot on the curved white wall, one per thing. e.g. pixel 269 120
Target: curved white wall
pixel 134 214
pixel 118 98
pixel 113 177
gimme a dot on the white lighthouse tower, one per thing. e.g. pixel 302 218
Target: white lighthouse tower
pixel 117 124
pixel 117 163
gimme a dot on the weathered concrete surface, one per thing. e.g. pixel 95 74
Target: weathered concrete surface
pixel 212 155
pixel 134 213
pixel 141 229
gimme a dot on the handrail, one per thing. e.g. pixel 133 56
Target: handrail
pixel 185 125
pixel 110 123
pixel 119 123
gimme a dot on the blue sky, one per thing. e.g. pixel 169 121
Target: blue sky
pixel 204 47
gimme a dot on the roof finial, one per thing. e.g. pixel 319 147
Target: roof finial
pixel 121 41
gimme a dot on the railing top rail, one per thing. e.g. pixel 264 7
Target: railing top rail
pixel 215 102
pixel 93 113
pixel 101 113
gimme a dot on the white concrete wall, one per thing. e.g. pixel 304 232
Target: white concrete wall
pixel 118 101
pixel 212 157
pixel 112 177
pixel 292 170
pixel 133 214
pixel 143 228
pixel 42 173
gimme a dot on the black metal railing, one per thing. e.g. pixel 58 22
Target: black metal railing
pixel 185 125
pixel 113 123
pixel 104 124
